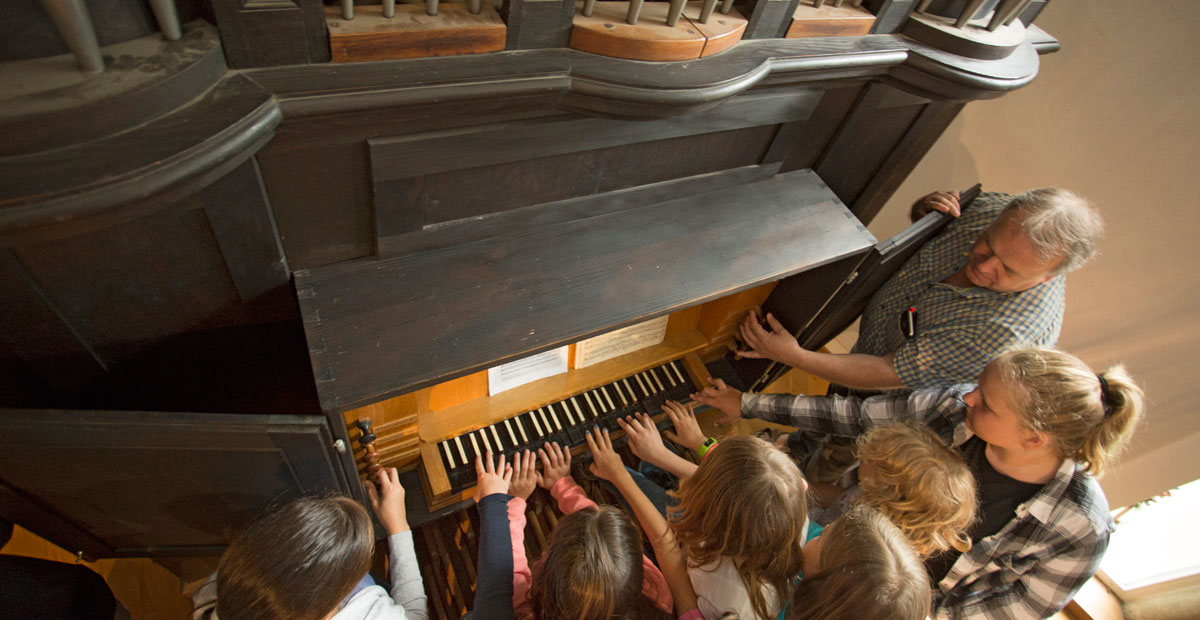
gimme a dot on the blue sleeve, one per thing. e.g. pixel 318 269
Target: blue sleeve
pixel 494 588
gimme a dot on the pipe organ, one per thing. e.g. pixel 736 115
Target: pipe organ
pixel 226 260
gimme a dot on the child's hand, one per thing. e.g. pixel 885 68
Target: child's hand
pixel 643 437
pixel 722 397
pixel 556 464
pixel 491 480
pixel 388 501
pixel 687 430
pixel 524 477
pixel 606 463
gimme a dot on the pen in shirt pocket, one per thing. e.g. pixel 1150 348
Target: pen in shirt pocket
pixel 908 322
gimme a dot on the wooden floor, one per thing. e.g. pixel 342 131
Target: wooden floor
pixel 147 590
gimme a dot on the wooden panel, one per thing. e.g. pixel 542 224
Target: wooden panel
pixel 606 33
pixel 412 33
pixel 538 23
pixel 210 474
pixel 819 130
pixel 552 285
pixel 241 221
pixel 268 33
pixel 722 31
pixel 829 21
pixel 769 19
pixel 35 330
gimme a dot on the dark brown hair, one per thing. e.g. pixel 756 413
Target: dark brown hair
pixel 868 572
pixel 296 563
pixel 592 570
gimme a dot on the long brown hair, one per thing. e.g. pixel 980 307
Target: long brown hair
pixel 296 563
pixel 1057 394
pixel 868 572
pixel 747 503
pixel 921 484
pixel 592 570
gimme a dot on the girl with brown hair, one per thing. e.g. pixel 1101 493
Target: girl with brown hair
pixel 593 568
pixel 308 560
pixel 1033 430
pixel 861 568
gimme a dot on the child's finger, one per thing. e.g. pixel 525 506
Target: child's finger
pixel 566 455
pixel 479 469
pixel 487 462
pixel 508 471
pixel 373 496
pixel 591 442
pixel 607 440
pixel 500 465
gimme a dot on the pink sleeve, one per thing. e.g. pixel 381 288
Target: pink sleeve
pixel 570 496
pixel 654 586
pixel 692 615
pixel 516 528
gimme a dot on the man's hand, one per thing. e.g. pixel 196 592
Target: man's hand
pixel 946 202
pixel 643 437
pixel 687 431
pixel 491 480
pixel 722 397
pixel 606 463
pixel 556 464
pixel 777 344
pixel 524 477
pixel 388 501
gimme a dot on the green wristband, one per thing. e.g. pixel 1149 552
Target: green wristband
pixel 706 446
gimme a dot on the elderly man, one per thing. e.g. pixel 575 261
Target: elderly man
pixel 993 279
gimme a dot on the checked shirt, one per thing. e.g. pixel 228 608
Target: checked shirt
pixel 958 330
pixel 1030 568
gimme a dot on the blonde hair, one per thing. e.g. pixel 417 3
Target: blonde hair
pixel 1057 394
pixel 1059 223
pixel 747 503
pixel 921 484
pixel 868 572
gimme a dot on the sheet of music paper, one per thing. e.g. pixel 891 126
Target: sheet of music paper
pixel 620 342
pixel 510 375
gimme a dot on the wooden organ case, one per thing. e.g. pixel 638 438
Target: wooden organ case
pixel 222 252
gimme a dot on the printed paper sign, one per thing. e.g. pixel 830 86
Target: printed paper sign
pixel 510 375
pixel 620 342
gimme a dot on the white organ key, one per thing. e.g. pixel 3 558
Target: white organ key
pixel 546 423
pixel 653 374
pixel 486 444
pixel 475 444
pixel 461 452
pixel 567 410
pixel 677 372
pixel 496 436
pixel 511 434
pixel 587 397
pixel 578 410
pixel 666 373
pixel 628 388
pixel 449 453
pixel 554 416
pixel 642 384
pixel 538 427
pixel 521 427
pixel 611 405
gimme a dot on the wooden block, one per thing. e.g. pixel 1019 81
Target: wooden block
pixel 721 32
pixel 606 33
pixel 829 21
pixel 412 33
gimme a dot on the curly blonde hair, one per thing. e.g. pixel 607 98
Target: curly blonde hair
pixel 747 502
pixel 921 484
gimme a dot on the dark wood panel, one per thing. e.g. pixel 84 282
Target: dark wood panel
pixel 769 19
pixel 821 127
pixel 480 191
pixel 34 329
pixel 890 15
pixel 244 227
pixel 538 23
pixel 270 33
pixel 160 484
pixel 870 132
pixel 450 312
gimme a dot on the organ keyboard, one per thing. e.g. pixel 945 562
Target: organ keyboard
pixel 448 459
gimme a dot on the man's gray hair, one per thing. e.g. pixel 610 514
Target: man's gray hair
pixel 1059 223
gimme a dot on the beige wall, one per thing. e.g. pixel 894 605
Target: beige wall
pixel 1114 116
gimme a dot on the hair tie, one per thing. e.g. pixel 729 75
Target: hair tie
pixel 1105 398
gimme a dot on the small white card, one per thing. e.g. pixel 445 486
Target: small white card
pixel 620 342
pixel 510 375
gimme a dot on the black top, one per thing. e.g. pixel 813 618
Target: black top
pixel 494 588
pixel 999 497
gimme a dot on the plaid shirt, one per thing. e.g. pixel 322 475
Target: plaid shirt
pixel 1030 568
pixel 958 330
